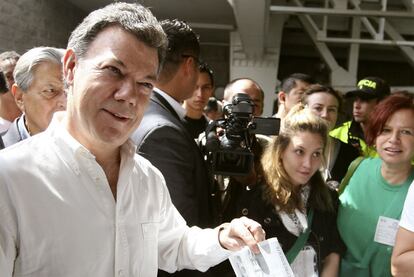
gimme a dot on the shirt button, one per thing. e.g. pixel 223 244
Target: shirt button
pixel 120 272
pixel 267 220
pixel 245 211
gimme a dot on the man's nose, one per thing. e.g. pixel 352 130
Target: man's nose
pixel 126 92
pixel 357 103
pixel 61 100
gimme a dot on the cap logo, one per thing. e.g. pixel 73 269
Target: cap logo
pixel 367 83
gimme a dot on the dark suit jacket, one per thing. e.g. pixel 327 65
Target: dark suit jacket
pixel 164 141
pixel 13 134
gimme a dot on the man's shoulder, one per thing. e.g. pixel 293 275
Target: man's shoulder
pixel 344 126
pixel 155 117
pixel 341 132
pixel 25 151
pixel 11 136
pixel 147 170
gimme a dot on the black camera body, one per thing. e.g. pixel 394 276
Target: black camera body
pixel 229 140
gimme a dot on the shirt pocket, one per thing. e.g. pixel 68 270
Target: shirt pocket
pixel 149 261
pixel 149 230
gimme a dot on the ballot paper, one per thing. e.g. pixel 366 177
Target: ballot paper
pixel 269 262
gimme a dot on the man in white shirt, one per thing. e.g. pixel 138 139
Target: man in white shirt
pixel 76 200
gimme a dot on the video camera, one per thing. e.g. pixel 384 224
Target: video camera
pixel 229 140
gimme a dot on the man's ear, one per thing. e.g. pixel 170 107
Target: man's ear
pixel 18 96
pixel 281 97
pixel 69 64
pixel 188 65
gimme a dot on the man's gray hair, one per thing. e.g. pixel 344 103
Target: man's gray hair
pixel 131 17
pixel 23 72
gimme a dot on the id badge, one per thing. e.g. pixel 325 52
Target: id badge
pixel 386 230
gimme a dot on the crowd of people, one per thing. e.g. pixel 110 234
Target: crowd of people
pixel 105 170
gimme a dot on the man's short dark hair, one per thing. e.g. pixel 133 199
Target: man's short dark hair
pixel 182 42
pixel 289 83
pixel 205 68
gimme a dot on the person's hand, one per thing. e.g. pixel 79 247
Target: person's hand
pixel 240 232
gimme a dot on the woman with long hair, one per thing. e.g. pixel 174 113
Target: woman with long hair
pixel 326 102
pixel 293 203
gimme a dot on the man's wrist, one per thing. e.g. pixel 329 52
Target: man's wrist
pixel 221 228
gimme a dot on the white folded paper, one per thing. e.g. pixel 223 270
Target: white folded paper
pixel 271 261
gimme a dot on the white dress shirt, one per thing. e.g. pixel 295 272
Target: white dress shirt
pixel 58 216
pixel 407 216
pixel 4 125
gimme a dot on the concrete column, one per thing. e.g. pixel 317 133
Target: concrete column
pixel 263 70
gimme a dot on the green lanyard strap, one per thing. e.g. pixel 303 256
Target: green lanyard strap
pixel 300 241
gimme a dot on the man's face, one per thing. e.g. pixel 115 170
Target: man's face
pixel 190 77
pixel 109 88
pixel 203 91
pixel 294 96
pixel 44 96
pixel 249 88
pixel 362 109
pixel 7 69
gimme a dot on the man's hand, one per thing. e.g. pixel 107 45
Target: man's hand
pixel 240 232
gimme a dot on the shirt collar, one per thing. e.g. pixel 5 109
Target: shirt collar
pixel 73 148
pixel 24 134
pixel 174 104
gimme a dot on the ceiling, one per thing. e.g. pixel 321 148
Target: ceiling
pixel 212 19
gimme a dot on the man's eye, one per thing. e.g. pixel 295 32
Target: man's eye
pixel 147 85
pixel 51 92
pixel 114 70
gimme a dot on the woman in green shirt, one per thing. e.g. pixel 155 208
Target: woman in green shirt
pixel 371 204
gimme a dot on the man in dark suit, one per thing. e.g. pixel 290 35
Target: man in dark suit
pixel 162 138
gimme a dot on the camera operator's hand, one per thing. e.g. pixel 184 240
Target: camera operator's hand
pixel 240 232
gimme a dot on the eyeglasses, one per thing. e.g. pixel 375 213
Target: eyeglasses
pixel 196 59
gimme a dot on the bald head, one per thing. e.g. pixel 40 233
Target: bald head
pixel 249 87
